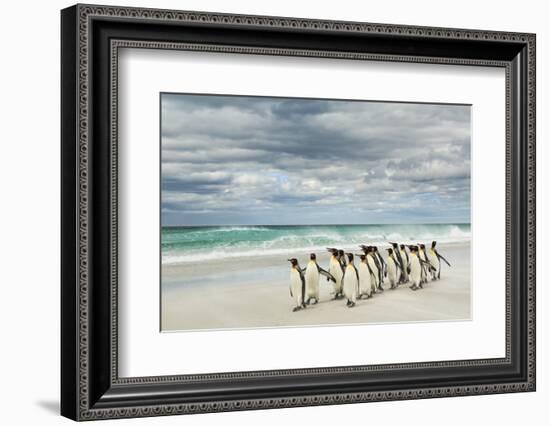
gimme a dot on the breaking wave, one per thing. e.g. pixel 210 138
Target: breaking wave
pixel 192 244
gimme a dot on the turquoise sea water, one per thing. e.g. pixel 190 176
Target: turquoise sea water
pixel 191 244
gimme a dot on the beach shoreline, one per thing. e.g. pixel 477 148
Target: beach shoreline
pixel 252 292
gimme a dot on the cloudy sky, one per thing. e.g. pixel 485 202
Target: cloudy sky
pixel 253 160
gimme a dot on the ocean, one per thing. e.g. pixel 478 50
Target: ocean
pixel 191 244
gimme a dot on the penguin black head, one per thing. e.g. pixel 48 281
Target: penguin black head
pixel 413 248
pixel 394 245
pixel 350 257
pixel 341 253
pixel 363 257
pixel 433 244
pixel 375 249
pixel 422 246
pixel 312 256
pixel 364 248
pixel 402 246
pixel 390 251
pixel 293 261
pixel 332 250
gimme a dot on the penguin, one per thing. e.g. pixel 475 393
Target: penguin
pixel 383 269
pixel 423 258
pixel 342 258
pixel 365 278
pixel 312 273
pixel 337 271
pixel 399 259
pixel 434 260
pixel 415 269
pixel 434 253
pixel 405 258
pixel 351 282
pixel 373 268
pixel 379 280
pixel 297 285
pixel 427 268
pixel 394 269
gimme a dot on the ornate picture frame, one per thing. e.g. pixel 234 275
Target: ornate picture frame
pixel 91 37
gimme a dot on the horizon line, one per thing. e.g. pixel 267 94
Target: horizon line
pixel 318 224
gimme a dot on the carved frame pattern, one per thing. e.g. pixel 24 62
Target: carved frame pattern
pixel 85 13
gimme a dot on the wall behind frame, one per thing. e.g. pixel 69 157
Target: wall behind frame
pixel 29 213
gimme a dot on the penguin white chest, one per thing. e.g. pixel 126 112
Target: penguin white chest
pixel 312 280
pixel 432 257
pixel 392 268
pixel 351 284
pixel 415 269
pixel 296 286
pixel 335 269
pixel 364 279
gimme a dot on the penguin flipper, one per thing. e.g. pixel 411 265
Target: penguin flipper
pixel 343 267
pixel 428 265
pixel 326 274
pixel 441 257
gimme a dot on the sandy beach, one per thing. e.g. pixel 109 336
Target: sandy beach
pixel 254 292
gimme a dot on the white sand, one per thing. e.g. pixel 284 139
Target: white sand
pixel 250 293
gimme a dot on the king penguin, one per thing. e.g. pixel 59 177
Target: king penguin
pixel 337 271
pixel 435 254
pixel 423 259
pixel 394 269
pixel 382 265
pixel 415 268
pixel 405 258
pixel 351 282
pixel 372 263
pixel 399 259
pixel 312 275
pixel 427 268
pixel 297 285
pixel 365 279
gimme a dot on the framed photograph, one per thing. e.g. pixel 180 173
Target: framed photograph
pixel 263 212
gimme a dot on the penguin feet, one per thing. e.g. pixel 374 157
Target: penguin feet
pixel 304 305
pixel 351 304
pixel 348 303
pixel 296 309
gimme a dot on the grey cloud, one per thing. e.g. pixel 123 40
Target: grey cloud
pixel 269 160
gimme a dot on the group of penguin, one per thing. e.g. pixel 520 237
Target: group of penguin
pixel 415 266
